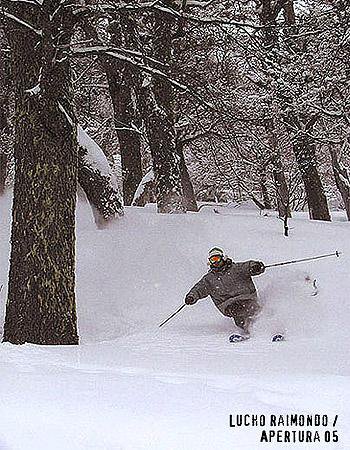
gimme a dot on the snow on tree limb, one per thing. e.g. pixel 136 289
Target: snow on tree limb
pixel 145 68
pixel 157 5
pixel 205 20
pixel 145 191
pixel 127 51
pixel 98 181
pixel 94 157
pixel 22 22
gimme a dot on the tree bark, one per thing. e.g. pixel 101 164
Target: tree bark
pixel 4 113
pixel 303 146
pixel 146 190
pixel 342 180
pixel 41 299
pixel 121 81
pixel 186 183
pixel 157 102
pixel 97 181
pixel 282 191
pixel 165 161
pixel 264 190
pixel 3 172
pixel 305 153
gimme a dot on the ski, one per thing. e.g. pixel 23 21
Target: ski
pixel 238 338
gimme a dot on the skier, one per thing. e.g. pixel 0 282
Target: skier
pixel 231 288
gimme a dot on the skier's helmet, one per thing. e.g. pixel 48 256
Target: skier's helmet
pixel 216 255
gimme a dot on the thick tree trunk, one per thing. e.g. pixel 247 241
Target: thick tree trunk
pixel 4 113
pixel 305 153
pixel 41 299
pixel 3 172
pixel 342 180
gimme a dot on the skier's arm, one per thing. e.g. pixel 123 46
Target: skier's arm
pixel 199 290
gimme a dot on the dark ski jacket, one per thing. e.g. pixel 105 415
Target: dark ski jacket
pixel 229 283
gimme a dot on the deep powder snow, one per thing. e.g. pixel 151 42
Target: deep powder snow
pixel 131 385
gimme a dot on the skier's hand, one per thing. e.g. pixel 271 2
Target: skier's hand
pixel 190 300
pixel 257 268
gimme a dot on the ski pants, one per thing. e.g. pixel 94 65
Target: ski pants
pixel 243 312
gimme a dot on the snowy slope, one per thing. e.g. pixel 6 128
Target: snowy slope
pixel 131 385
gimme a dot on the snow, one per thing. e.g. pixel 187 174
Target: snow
pixel 34 90
pixel 149 176
pixel 22 22
pixel 95 157
pixel 131 385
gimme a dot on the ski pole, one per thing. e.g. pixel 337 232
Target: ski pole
pixel 174 314
pixel 337 254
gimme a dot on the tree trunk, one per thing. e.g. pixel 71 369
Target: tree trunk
pixel 121 81
pixel 264 191
pixel 165 161
pixel 156 99
pixel 268 19
pixel 41 299
pixel 3 172
pixel 187 187
pixel 305 153
pixel 4 113
pixel 145 192
pixel 96 179
pixel 304 147
pixel 282 191
pixel 342 180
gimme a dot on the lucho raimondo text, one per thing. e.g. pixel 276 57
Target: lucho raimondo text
pixel 292 428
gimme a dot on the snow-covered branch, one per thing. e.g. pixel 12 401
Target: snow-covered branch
pixel 21 22
pixel 145 68
pixel 105 48
pixel 205 20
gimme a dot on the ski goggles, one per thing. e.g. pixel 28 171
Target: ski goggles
pixel 215 258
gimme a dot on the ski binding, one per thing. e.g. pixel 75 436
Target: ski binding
pixel 278 338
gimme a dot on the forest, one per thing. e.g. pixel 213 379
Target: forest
pixel 173 102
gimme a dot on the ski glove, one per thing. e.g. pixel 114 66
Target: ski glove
pixel 257 268
pixel 189 300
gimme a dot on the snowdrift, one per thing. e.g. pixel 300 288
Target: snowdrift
pixel 174 388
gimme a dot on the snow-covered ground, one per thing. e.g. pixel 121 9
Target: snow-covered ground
pixel 131 385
